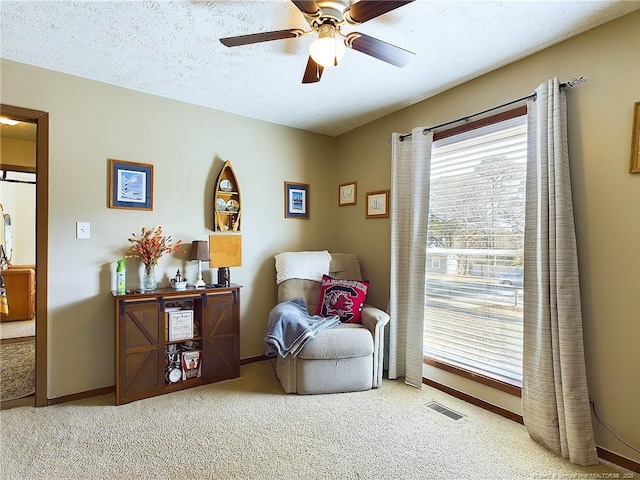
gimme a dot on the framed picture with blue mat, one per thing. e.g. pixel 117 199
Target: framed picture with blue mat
pixel 296 200
pixel 130 185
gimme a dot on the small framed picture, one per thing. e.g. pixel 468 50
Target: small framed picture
pixel 348 194
pixel 296 200
pixel 378 204
pixel 634 166
pixel 130 185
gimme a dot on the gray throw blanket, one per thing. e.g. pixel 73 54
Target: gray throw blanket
pixel 290 327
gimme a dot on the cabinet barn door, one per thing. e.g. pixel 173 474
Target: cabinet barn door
pixel 221 336
pixel 140 356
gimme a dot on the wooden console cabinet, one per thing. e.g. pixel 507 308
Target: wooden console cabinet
pixel 143 346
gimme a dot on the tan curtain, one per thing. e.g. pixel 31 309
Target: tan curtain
pixel 555 399
pixel 411 165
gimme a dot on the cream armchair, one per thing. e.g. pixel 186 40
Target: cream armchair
pixel 346 358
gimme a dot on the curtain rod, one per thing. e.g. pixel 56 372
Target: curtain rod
pixel 571 83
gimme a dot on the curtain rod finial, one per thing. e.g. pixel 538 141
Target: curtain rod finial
pixel 575 81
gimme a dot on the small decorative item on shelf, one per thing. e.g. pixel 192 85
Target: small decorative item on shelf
pixel 178 282
pixel 149 247
pixel 232 206
pixel 226 185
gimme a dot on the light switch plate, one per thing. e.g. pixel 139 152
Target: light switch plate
pixel 83 230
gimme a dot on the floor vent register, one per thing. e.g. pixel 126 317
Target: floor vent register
pixel 438 407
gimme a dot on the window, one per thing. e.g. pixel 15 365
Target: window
pixel 473 317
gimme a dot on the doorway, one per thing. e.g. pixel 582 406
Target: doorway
pixel 41 121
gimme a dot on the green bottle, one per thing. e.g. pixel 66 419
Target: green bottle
pixel 120 278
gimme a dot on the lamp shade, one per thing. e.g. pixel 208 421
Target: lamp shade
pixel 199 250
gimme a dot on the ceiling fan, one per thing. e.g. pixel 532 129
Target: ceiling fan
pixel 326 18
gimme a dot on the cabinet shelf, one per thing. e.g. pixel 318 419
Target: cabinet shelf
pixel 182 384
pixel 177 342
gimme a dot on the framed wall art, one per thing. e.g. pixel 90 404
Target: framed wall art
pixel 296 200
pixel 634 165
pixel 130 185
pixel 348 194
pixel 378 204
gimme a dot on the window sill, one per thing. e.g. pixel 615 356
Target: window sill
pixel 490 382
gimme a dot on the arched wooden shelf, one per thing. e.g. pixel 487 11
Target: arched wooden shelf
pixel 227 204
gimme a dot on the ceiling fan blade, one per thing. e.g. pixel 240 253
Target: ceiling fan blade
pixel 313 72
pixel 377 48
pixel 365 10
pixel 310 9
pixel 261 37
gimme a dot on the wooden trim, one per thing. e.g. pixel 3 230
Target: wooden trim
pixel 483 122
pixel 42 256
pixel 476 377
pixel 41 119
pixel 259 358
pixel 82 395
pixel 16 168
pixel 618 460
pixel 474 401
pixel 634 164
pixel 17 340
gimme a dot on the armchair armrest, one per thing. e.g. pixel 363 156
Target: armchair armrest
pixel 374 320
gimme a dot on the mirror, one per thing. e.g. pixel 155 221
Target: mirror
pixel 6 238
pixel 7 242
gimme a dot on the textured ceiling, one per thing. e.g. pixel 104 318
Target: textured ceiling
pixel 172 49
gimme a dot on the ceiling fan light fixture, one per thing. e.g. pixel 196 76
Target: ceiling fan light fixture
pixel 329 48
pixel 8 121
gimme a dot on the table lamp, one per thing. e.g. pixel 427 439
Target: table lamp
pixel 199 252
pixel 225 251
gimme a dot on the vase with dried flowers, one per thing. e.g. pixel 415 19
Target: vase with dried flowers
pixel 149 247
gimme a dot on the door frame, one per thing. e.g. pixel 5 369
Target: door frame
pixel 41 120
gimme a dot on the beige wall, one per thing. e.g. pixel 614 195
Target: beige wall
pixel 606 196
pixel 91 122
pixel 17 152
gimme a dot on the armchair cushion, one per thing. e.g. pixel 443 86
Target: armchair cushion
pixel 343 341
pixel 344 298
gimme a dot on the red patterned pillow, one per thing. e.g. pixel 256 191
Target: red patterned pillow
pixel 344 298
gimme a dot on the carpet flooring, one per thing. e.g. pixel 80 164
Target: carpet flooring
pixel 17 369
pixel 17 329
pixel 247 428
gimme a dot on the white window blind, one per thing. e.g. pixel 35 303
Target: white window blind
pixel 475 253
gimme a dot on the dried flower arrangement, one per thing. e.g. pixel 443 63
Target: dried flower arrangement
pixel 151 245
